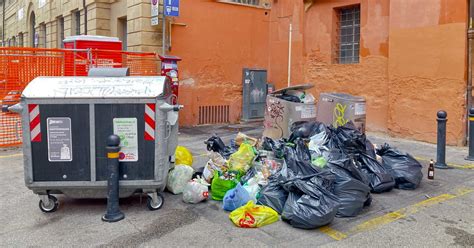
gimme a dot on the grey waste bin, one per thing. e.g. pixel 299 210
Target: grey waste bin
pixel 338 108
pixel 66 122
pixel 280 114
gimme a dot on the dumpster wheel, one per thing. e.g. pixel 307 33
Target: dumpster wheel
pixel 52 207
pixel 154 205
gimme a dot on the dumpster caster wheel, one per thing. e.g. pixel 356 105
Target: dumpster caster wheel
pixel 154 205
pixel 51 207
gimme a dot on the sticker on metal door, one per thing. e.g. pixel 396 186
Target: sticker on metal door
pixel 59 139
pixel 126 129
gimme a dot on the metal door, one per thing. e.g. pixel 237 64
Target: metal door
pixel 254 93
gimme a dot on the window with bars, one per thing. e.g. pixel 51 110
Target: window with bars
pixel 77 22
pixel 249 2
pixel 348 35
pixel 256 3
pixel 60 31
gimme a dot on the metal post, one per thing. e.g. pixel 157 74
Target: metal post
pixel 163 30
pixel 441 143
pixel 113 213
pixel 470 156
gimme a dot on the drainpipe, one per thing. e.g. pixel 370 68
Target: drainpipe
pixel 289 53
pixel 3 22
pixel 470 37
pixel 85 16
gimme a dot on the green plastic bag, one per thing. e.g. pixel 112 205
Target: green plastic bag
pixel 220 186
pixel 241 160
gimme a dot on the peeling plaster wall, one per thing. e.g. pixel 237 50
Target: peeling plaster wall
pixel 427 67
pixel 369 78
pixel 217 43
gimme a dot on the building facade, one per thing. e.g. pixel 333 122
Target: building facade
pixel 45 23
pixel 409 58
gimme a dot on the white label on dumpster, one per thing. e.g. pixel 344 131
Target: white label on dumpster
pixel 126 129
pixel 308 111
pixel 59 139
pixel 359 109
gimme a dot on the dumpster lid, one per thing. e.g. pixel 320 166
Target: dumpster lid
pixel 91 38
pixel 95 87
pixel 296 87
pixel 342 96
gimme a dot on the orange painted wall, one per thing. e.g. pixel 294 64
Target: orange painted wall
pixel 217 43
pixel 412 58
pixel 369 78
pixel 427 65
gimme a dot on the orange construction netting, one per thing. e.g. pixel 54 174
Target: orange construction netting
pixel 18 66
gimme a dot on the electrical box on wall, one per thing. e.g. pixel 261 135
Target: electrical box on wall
pixel 254 85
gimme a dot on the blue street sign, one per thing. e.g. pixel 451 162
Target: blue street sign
pixel 171 7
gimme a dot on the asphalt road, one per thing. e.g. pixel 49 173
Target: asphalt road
pixel 437 214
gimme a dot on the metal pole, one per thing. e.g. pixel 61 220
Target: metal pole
pixel 470 156
pixel 470 36
pixel 113 213
pixel 163 30
pixel 441 143
pixel 289 53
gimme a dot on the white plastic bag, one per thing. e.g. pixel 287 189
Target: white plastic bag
pixel 178 178
pixel 196 191
pixel 252 187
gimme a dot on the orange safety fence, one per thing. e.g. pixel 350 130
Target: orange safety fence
pixel 18 66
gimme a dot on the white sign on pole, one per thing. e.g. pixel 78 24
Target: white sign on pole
pixel 155 9
pixel 154 21
pixel 21 13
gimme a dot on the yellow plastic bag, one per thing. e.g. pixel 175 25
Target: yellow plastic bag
pixel 183 156
pixel 241 160
pixel 251 216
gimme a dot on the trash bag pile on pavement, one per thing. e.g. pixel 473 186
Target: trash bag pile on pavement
pixel 320 172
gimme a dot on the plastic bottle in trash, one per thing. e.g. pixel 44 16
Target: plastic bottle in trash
pixel 431 170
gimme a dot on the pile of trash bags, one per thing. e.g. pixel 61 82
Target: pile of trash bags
pixel 320 172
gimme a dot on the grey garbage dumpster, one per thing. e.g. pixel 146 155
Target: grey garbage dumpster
pixel 338 108
pixel 66 122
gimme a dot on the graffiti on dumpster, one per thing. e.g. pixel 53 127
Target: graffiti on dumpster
pixel 275 111
pixel 102 87
pixel 339 112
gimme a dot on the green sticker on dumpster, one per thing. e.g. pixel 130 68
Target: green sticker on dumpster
pixel 126 129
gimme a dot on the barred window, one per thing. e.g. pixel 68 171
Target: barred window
pixel 245 2
pixel 249 2
pixel 349 35
pixel 60 32
pixel 77 22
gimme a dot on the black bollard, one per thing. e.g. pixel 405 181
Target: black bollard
pixel 441 144
pixel 113 213
pixel 470 156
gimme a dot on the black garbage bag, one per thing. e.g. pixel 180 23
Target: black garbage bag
pixel 249 175
pixel 277 147
pixel 380 178
pixel 306 129
pixel 312 205
pixel 370 149
pixel 298 159
pixel 215 143
pixel 405 169
pixel 273 195
pixel 351 186
pixel 349 139
pixel 289 98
